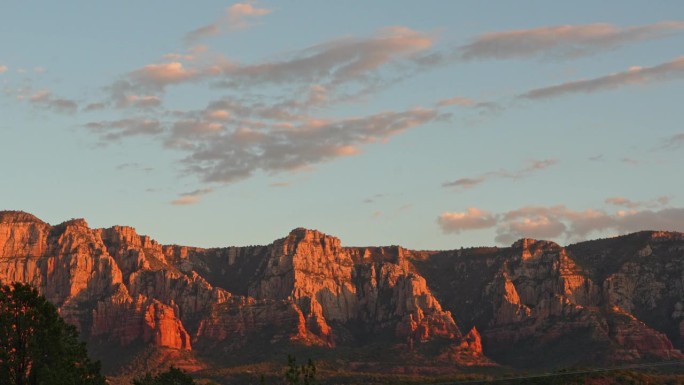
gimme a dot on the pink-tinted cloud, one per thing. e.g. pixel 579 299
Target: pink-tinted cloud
pixel 48 100
pixel 565 41
pixel 470 182
pixel 140 101
pixel 237 16
pixel 627 203
pixel 457 101
pixel 234 153
pixel 560 222
pixel 190 198
pixel 3 68
pixel 633 76
pixel 158 76
pixel 472 219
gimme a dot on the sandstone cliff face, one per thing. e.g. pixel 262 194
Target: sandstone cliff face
pixel 620 299
pixel 125 289
pixel 590 299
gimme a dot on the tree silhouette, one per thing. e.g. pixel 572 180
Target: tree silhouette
pixel 173 376
pixel 36 346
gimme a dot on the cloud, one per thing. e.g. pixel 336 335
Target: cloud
pixel 237 16
pixel 49 101
pixel 3 68
pixel 457 101
pixel 630 161
pixel 554 222
pixel 534 166
pixel 95 107
pixel 239 13
pixel 158 76
pixel 141 102
pixel 190 198
pixel 566 41
pixel 633 76
pixel 237 153
pixel 114 130
pixel 674 142
pixel 202 32
pixel 334 62
pixel 472 219
pixel 374 198
pixel 624 202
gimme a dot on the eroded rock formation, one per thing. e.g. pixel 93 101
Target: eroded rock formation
pixel 620 299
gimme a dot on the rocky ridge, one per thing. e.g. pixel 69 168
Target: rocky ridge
pixel 617 300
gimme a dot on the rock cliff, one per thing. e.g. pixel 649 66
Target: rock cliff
pixel 613 300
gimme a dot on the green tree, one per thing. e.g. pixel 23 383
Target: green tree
pixel 173 376
pixel 36 346
pixel 300 375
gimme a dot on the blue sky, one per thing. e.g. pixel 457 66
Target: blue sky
pixel 433 125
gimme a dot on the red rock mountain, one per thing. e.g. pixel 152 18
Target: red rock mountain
pixel 530 305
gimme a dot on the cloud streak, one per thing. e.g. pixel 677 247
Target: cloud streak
pixel 562 42
pixel 191 198
pixel 470 182
pixel 114 130
pixel 633 76
pixel 237 16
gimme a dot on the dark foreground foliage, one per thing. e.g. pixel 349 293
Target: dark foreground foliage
pixel 36 346
pixel 173 376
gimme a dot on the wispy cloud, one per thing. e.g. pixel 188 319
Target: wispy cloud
pixel 627 203
pixel 237 16
pixel 46 99
pixel 485 107
pixel 192 197
pixel 554 222
pixel 565 41
pixel 334 62
pixel 3 68
pixel 374 198
pixel 633 76
pixel 470 182
pixel 673 142
pixel 113 130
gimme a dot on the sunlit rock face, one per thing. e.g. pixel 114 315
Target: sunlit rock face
pixel 619 299
pixel 610 300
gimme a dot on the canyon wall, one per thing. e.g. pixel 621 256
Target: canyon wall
pixel 614 300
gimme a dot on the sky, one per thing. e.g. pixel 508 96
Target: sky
pixel 432 125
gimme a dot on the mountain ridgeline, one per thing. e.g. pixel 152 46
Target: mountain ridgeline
pixel 534 304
